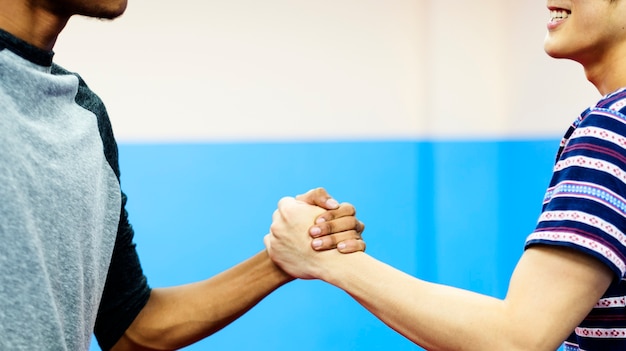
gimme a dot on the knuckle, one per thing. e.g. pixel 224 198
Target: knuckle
pixel 329 215
pixel 282 202
pixel 347 224
pixel 349 208
pixel 332 239
pixel 350 235
pixel 330 228
pixel 360 246
pixel 274 227
pixel 318 191
pixel 328 242
pixel 353 222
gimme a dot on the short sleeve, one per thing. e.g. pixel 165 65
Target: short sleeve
pixel 126 290
pixel 584 207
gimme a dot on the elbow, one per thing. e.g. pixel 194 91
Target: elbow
pixel 522 339
pixel 128 341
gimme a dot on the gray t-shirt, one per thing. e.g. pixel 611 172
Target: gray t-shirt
pixel 62 221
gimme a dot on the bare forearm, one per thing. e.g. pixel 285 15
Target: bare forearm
pixel 423 312
pixel 550 293
pixel 439 317
pixel 178 316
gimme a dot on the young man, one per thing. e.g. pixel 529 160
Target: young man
pixel 67 261
pixel 568 284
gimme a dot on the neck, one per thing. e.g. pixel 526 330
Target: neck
pixel 607 70
pixel 605 79
pixel 35 25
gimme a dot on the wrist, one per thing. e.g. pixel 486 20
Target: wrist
pixel 337 266
pixel 278 274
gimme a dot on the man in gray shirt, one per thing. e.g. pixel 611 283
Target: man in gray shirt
pixel 68 265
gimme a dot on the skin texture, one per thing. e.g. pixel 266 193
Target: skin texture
pixel 593 35
pixel 175 317
pixel 551 290
pixel 39 22
pixel 178 316
pixel 542 307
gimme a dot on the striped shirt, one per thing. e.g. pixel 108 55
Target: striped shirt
pixel 585 208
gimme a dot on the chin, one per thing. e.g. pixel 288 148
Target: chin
pixel 104 9
pixel 117 9
pixel 554 54
pixel 561 53
pixel 553 50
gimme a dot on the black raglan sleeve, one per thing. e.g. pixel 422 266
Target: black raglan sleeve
pixel 126 290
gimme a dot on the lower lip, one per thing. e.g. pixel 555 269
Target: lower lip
pixel 555 24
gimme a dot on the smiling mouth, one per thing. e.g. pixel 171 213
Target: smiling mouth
pixel 558 14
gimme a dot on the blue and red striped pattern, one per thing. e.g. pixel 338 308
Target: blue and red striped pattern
pixel 584 208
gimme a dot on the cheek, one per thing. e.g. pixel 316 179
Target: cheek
pixel 617 32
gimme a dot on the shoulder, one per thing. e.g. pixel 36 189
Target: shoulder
pixel 609 113
pixel 615 101
pixel 90 101
pixel 85 97
pixel 604 122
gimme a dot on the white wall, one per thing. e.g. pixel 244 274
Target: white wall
pixel 208 70
pixel 489 75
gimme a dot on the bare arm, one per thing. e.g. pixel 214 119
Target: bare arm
pixel 550 292
pixel 178 316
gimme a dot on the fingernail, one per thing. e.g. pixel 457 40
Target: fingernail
pixel 332 203
pixel 315 231
pixel 320 220
pixel 341 246
pixel 317 243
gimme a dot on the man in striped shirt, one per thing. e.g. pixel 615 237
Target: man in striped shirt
pixel 568 284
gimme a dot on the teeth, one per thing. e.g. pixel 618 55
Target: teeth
pixel 556 15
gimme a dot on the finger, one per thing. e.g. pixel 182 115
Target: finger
pixel 319 197
pixel 330 241
pixel 285 201
pixel 335 226
pixel 276 219
pixel 317 192
pixel 266 242
pixel 350 246
pixel 361 227
pixel 284 208
pixel 305 195
pixel 345 209
pixel 275 215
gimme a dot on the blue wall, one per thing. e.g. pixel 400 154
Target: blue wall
pixel 452 212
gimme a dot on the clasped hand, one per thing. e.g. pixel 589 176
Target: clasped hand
pixel 309 227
